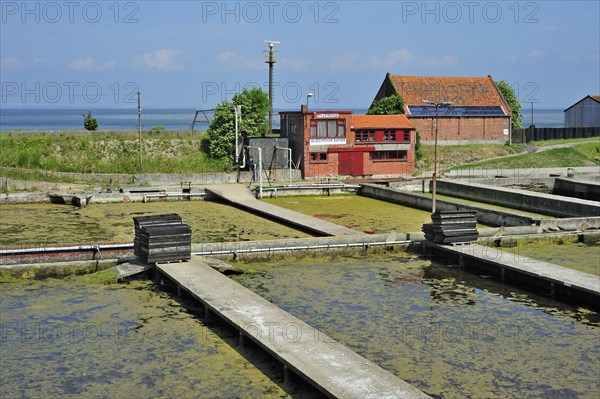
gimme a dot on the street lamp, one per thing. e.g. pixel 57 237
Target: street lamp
pixel 309 95
pixel 436 105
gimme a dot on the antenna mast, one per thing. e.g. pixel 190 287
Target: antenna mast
pixel 270 54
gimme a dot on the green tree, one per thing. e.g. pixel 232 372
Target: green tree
pixel 418 147
pixel 221 132
pixel 89 122
pixel 513 102
pixel 389 105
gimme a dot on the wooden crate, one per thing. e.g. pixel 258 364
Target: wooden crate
pixel 162 238
pixel 450 227
pixel 139 221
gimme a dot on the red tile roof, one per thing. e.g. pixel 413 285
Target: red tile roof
pixel 461 91
pixel 381 122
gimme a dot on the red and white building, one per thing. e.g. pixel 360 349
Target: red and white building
pixel 337 143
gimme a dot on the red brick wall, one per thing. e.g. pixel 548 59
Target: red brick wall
pixel 330 168
pixel 465 128
pixel 381 168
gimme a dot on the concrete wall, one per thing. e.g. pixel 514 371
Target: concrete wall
pixel 487 216
pixel 584 189
pixel 452 130
pixel 520 199
pixel 524 175
pixel 271 157
pixel 212 178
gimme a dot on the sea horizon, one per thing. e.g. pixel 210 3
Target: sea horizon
pixel 61 119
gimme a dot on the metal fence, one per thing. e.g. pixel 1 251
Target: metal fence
pixel 532 133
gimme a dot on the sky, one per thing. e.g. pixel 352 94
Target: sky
pixel 196 54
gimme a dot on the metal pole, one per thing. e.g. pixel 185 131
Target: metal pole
pixel 259 166
pixel 532 113
pixel 271 62
pixel 435 159
pixel 140 127
pixel 434 177
pixel 290 165
pixel 237 110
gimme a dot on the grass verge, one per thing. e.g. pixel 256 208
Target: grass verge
pixel 576 156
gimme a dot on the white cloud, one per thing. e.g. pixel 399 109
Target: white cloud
pixel 79 64
pixel 571 57
pixel 510 59
pixel 227 56
pixel 11 62
pixel 537 53
pixel 39 61
pixel 109 65
pixel 162 59
pixel 294 63
pixel 400 57
pixel 348 62
pixel 236 61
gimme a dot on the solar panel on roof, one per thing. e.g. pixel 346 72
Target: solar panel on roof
pixel 456 111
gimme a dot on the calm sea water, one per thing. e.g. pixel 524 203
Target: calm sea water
pixel 43 119
pixel 108 119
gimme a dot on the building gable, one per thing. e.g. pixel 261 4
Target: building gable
pixel 595 98
pixel 463 92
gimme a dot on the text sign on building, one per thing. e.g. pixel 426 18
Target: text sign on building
pixel 327 115
pixel 328 141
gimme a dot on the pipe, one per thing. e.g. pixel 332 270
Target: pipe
pixel 91 247
pixel 260 167
pixel 174 194
pixel 300 247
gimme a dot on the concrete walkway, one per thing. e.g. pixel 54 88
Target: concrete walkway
pixel 240 196
pixel 558 277
pixel 329 366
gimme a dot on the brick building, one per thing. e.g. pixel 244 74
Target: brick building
pixel 337 143
pixel 478 114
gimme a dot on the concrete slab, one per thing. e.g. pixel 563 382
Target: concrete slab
pixel 329 366
pixel 240 196
pixel 573 279
pixel 132 268
pixel 529 201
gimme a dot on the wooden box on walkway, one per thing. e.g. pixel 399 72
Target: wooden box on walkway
pixel 139 221
pixel 451 227
pixel 162 238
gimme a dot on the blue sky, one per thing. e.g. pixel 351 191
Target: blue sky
pixel 195 54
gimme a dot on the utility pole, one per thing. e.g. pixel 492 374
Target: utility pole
pixel 271 61
pixel 237 110
pixel 434 177
pixel 532 113
pixel 140 127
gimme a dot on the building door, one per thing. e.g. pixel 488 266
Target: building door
pixel 350 163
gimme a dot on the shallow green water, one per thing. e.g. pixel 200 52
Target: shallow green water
pixel 356 212
pixel 566 251
pixel 64 224
pixel 448 333
pixel 68 339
